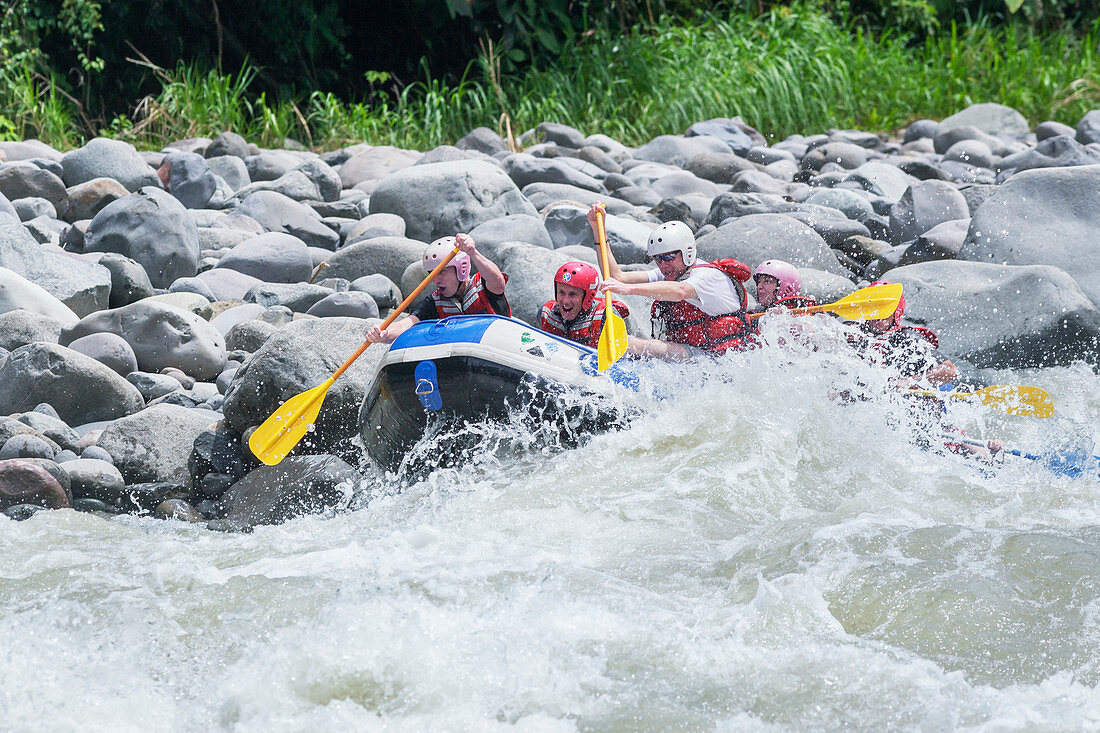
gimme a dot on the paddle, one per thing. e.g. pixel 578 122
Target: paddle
pixel 612 344
pixel 868 304
pixel 1070 463
pixel 1014 400
pixel 279 433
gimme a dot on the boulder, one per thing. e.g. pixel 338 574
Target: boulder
pixel 1088 129
pixel 23 181
pixel 189 179
pixel 154 444
pixel 516 228
pixel 881 179
pixel 20 327
pixel 249 335
pixel 293 184
pixel 153 386
pixel 351 304
pixel 544 195
pixel 324 178
pixel 82 286
pixel 924 205
pixel 1002 316
pixel 24 482
pixel 941 242
pixel 227 143
pixel 223 283
pixel 28 446
pixel 129 281
pixel 230 169
pixel 384 291
pixel 108 349
pixel 482 140
pixel 297 486
pixel 274 257
pixel 90 478
pixel 161 336
pixel 51 427
pixel 375 163
pixel 298 297
pixel 568 225
pixel 78 387
pixel 152 228
pixel 678 151
pixel 279 213
pixel 443 199
pixel 524 169
pixel 755 238
pixel 230 317
pixel 1050 128
pixel 990 118
pixel 12 150
pixel 376 225
pixel 18 293
pixel 1049 216
pixel 105 158
pixel 1054 152
pixel 387 256
pixel 733 132
pixel 971 152
pixel 300 356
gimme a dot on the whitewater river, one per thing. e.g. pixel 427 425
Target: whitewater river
pixel 750 555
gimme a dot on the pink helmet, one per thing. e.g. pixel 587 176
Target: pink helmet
pixel 790 282
pixel 580 275
pixel 438 250
pixel 900 310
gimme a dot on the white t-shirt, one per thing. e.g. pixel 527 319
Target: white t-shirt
pixel 715 292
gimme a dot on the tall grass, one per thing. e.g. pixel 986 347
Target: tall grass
pixel 793 70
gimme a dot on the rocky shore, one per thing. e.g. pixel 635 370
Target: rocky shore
pixel 157 306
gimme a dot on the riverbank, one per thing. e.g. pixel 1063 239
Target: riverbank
pixel 785 72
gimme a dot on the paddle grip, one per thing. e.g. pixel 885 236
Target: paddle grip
pixel 397 311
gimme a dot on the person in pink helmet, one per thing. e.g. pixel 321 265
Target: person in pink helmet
pixel 576 311
pixel 779 284
pixel 456 291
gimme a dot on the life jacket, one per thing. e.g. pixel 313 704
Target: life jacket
pixel 585 328
pixel 684 323
pixel 474 301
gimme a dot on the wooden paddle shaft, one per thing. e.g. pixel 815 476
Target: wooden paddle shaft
pixel 397 311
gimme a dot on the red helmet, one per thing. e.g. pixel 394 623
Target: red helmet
pixel 900 310
pixel 580 275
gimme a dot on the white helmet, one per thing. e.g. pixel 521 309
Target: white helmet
pixel 438 250
pixel 673 236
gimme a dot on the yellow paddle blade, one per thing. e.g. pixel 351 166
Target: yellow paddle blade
pixel 281 432
pixel 612 344
pixel 1010 399
pixel 1017 400
pixel 868 304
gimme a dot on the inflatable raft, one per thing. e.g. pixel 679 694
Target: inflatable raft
pixel 468 370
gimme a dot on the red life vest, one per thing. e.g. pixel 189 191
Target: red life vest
pixel 585 328
pixel 474 302
pixel 687 324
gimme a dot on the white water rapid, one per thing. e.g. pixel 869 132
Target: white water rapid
pixel 749 555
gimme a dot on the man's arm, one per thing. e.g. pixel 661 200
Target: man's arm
pixel 661 290
pixel 491 276
pixel 378 336
pixel 613 269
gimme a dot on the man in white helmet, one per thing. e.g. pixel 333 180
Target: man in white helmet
pixel 456 292
pixel 699 307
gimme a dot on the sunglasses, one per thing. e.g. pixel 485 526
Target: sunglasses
pixel 668 257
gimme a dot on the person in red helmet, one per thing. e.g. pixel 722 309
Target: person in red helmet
pixel 576 312
pixel 456 292
pixel 913 351
pixel 698 307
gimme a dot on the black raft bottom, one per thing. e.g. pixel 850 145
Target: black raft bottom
pixel 475 392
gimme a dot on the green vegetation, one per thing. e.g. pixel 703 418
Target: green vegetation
pixel 794 69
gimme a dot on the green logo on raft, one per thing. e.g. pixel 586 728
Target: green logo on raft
pixel 526 338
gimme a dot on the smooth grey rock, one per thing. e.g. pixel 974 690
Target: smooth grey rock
pixel 97 453
pixel 924 205
pixel 105 158
pixel 324 178
pixel 543 195
pixel 1049 216
pixel 154 444
pixel 161 336
pixel 568 225
pixel 846 155
pixel 733 132
pixel 374 164
pixel 525 169
pixel 972 152
pixel 443 199
pixel 1088 129
pixel 293 184
pixel 921 129
pixel 298 357
pixel 152 228
pixel 1054 152
pixel 20 327
pixel 227 143
pixel 274 257
pixel 755 238
pixel 384 291
pixel 224 283
pixel 515 228
pixel 830 224
pixel 194 286
pixel 387 256
pixel 19 293
pixel 716 167
pixel 351 304
pixel 677 151
pixel 231 169
pixel 990 118
pixel 297 486
pixel 1002 316
pixel 82 286
pixel 28 149
pixel 189 179
pixel 941 242
pixel 129 281
pixel 850 203
pixel 90 478
pixel 482 140
pixel 377 225
pixel 298 297
pixel 108 349
pixel 28 446
pixel 278 213
pixel 80 388
pixel 269 165
pixel 948 137
pixel 151 386
pixel 18 182
pixel 1052 129
pixel 881 179
pixel 754 181
pixel 249 335
pixel 230 317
